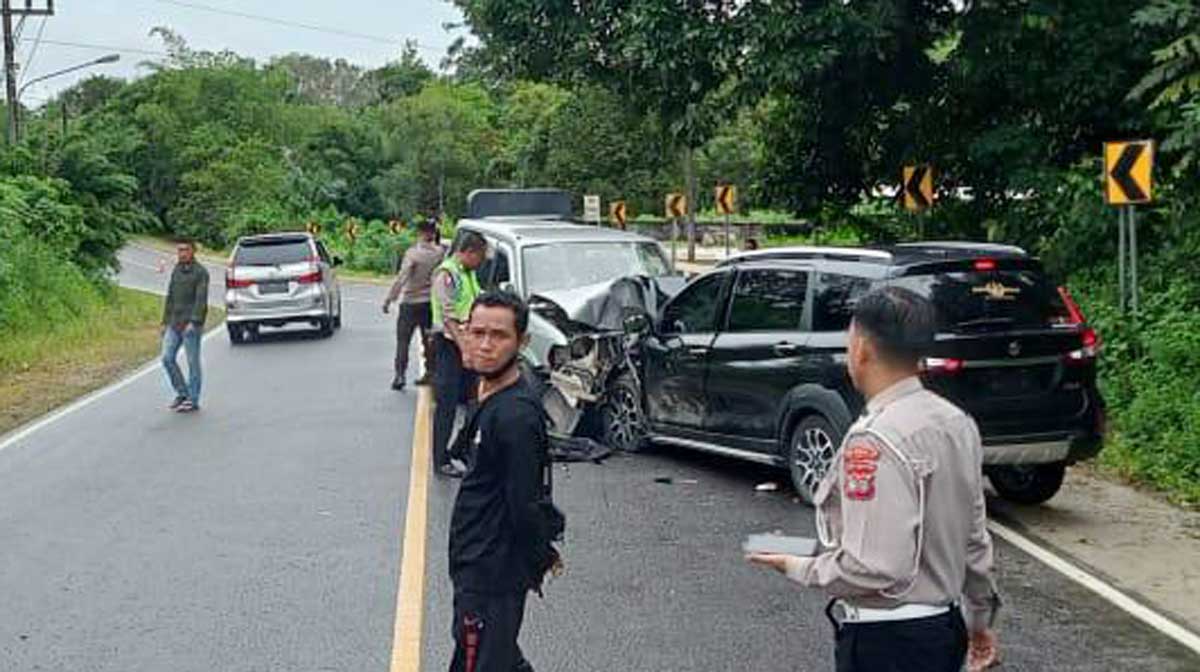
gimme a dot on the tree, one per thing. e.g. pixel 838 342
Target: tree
pixel 401 78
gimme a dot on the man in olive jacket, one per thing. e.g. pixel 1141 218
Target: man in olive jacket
pixel 184 314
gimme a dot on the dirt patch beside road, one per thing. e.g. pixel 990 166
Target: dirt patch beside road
pixel 1140 543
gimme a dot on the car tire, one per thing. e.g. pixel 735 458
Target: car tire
pixel 622 416
pixel 237 333
pixel 1028 484
pixel 326 328
pixel 337 319
pixel 811 447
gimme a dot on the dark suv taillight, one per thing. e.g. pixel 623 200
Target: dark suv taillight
pixel 1089 338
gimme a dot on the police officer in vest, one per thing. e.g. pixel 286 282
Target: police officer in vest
pixel 455 288
pixel 900 513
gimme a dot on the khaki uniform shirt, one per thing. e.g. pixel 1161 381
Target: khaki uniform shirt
pixel 413 283
pixel 901 510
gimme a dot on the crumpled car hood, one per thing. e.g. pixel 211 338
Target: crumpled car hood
pixel 604 306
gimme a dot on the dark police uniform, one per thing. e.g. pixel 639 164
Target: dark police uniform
pixel 493 521
pixel 901 512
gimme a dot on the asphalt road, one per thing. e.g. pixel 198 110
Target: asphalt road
pixel 265 533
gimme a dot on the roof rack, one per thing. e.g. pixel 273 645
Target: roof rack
pixel 962 246
pixel 810 252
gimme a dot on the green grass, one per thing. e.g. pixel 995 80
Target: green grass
pixel 45 367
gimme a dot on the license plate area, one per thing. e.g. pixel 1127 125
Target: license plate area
pixel 272 288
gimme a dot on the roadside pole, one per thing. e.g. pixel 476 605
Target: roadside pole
pixel 676 209
pixel 1128 182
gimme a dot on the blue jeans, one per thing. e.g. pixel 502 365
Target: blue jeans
pixel 189 339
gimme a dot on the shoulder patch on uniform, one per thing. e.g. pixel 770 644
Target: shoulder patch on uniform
pixel 860 462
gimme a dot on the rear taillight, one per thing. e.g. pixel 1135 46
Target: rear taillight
pixel 233 283
pixel 1089 338
pixel 942 365
pixel 985 264
pixel 310 278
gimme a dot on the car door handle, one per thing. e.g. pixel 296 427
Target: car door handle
pixel 784 349
pixel 697 351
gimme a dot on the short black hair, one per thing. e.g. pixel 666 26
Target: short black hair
pixel 472 242
pixel 900 322
pixel 499 298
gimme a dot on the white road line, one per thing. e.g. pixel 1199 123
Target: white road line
pixel 55 416
pixel 1127 604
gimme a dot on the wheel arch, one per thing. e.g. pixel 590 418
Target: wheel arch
pixel 812 399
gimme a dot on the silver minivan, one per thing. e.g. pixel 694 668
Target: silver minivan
pixel 279 279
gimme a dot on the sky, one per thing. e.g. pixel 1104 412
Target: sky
pixel 123 26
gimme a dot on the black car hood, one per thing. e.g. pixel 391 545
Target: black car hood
pixel 604 306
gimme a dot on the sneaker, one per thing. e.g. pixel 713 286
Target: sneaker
pixel 177 403
pixel 187 407
pixel 398 384
pixel 450 471
pixel 423 381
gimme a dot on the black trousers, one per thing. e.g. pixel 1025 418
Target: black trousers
pixel 485 631
pixel 410 318
pixel 934 644
pixel 452 385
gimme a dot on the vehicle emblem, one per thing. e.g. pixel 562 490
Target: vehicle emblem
pixel 997 291
pixel 1014 349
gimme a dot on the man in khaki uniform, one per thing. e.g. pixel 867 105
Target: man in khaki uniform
pixel 901 513
pixel 412 289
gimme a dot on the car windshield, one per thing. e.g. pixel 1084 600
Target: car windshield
pixel 569 265
pixel 988 301
pixel 273 253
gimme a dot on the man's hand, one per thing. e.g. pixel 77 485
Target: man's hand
pixel 983 652
pixel 190 327
pixel 386 305
pixel 772 560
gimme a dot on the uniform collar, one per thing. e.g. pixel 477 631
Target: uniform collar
pixel 898 390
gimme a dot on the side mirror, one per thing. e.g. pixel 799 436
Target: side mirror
pixel 337 261
pixel 636 324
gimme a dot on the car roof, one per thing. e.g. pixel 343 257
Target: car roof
pixel 906 254
pixel 292 236
pixel 533 231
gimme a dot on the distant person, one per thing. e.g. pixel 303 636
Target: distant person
pixel 454 289
pixel 503 521
pixel 901 511
pixel 184 314
pixel 751 244
pixel 412 289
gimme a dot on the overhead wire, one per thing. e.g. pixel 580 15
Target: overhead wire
pixel 296 24
pixel 28 66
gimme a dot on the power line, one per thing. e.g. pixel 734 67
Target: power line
pixel 295 24
pixel 102 47
pixel 28 67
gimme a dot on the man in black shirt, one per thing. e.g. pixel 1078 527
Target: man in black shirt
pixel 495 515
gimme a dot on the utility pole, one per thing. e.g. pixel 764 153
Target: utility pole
pixel 12 97
pixel 10 71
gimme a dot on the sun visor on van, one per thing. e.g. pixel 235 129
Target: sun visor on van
pixel 542 203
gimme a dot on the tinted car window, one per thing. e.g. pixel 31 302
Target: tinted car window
pixel 494 271
pixel 986 300
pixel 272 253
pixel 834 300
pixel 768 300
pixel 696 309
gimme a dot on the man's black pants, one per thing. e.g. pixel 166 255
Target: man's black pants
pixel 411 317
pixel 934 644
pixel 451 386
pixel 485 632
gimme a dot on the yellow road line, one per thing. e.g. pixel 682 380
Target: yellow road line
pixel 410 598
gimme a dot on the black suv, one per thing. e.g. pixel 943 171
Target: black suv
pixel 749 360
